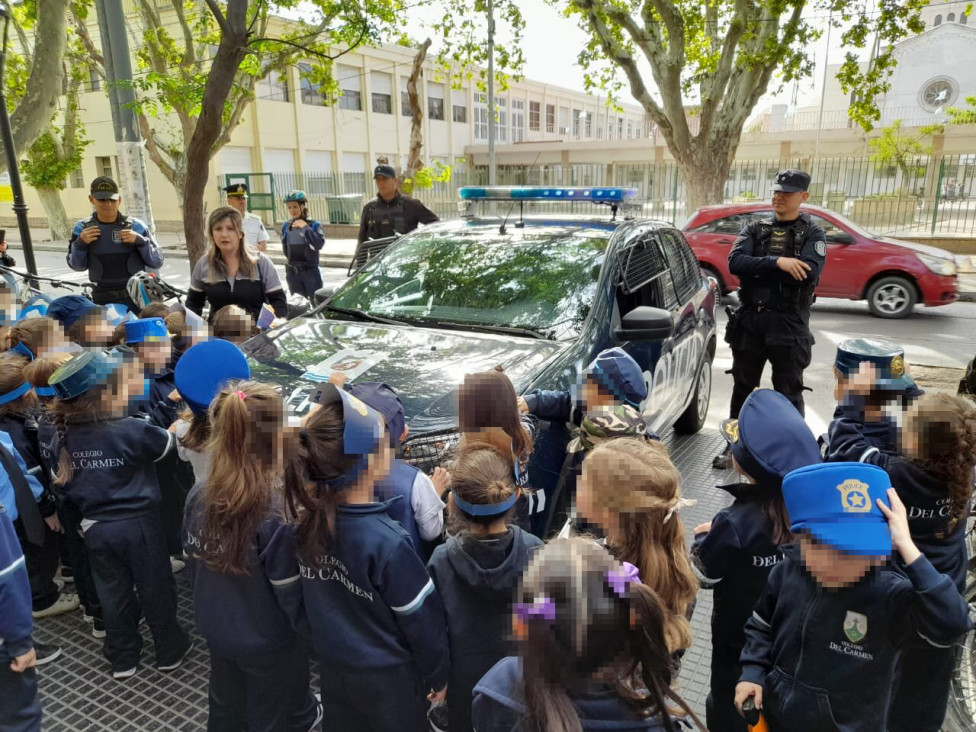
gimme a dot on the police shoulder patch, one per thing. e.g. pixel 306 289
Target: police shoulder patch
pixel 821 247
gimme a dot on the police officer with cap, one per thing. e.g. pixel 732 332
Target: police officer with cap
pixel 111 246
pixel 778 264
pixel 254 232
pixel 391 212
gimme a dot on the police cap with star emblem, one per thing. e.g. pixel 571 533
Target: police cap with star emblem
pixel 836 504
pixel 791 181
pixel 104 188
pixel 888 358
pixel 770 438
pixel 236 189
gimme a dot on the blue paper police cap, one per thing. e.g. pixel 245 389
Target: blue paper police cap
pixel 619 375
pixel 36 307
pixel 69 309
pixel 85 371
pixel 384 400
pixel 362 429
pixel 835 503
pixel 888 358
pixel 117 313
pixel 204 370
pixel 145 330
pixel 770 438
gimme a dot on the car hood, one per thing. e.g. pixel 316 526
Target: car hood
pixel 921 248
pixel 424 365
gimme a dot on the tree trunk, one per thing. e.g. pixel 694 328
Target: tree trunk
pixel 414 163
pixel 704 173
pixel 56 217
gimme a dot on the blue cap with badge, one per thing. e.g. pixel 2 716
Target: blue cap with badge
pixel 362 430
pixel 204 370
pixel 69 309
pixel 146 330
pixel 85 371
pixel 888 358
pixel 384 400
pixel 836 504
pixel 619 375
pixel 770 438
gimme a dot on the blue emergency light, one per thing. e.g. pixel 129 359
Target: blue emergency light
pixel 546 193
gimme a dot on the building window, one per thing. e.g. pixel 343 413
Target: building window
pixel 588 124
pixel 381 93
pixel 518 120
pixel 273 86
pixel 351 84
pixel 550 118
pixel 630 130
pixel 501 119
pixel 620 128
pixel 963 18
pixel 435 101
pixel 938 20
pixel 460 113
pixel 77 178
pixel 951 18
pixel 103 166
pixel 534 114
pixel 576 122
pixel 480 116
pixel 405 98
pixel 310 93
pixel 94 80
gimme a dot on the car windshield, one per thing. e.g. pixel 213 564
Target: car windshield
pixel 535 279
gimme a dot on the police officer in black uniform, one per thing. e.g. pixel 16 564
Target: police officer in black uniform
pixel 111 246
pixel 778 264
pixel 391 212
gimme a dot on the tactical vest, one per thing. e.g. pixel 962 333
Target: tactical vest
pixel 109 258
pixel 386 218
pixel 772 293
pixel 297 250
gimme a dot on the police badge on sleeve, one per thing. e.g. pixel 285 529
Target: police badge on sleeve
pixel 821 247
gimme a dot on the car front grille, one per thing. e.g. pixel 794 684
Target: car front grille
pixel 427 451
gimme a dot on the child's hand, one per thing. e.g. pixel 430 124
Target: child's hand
pixel 174 396
pixel 441 480
pixel 703 528
pixel 298 224
pixel 897 518
pixel 745 689
pixel 54 524
pixel 338 378
pixel 437 696
pixel 22 663
pixel 523 406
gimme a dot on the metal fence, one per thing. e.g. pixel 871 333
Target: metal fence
pixel 934 194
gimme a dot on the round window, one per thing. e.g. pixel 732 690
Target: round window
pixel 938 93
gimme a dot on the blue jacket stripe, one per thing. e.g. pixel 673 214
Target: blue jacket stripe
pixel 415 604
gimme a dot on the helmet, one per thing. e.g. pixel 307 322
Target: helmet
pixel 298 196
pixel 144 288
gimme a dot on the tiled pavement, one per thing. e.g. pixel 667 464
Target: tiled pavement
pixel 77 692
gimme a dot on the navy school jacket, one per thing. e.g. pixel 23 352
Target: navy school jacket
pixel 238 615
pixel 477 580
pixel 160 409
pixel 114 471
pixel 399 482
pixel 926 498
pixel 498 706
pixel 16 622
pixel 826 658
pixel 369 603
pixel 734 560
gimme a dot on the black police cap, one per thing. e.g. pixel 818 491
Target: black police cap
pixel 384 171
pixel 236 189
pixel 104 188
pixel 791 181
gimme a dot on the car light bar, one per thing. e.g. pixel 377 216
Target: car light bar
pixel 546 193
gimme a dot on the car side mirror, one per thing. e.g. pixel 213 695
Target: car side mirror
pixel 325 293
pixel 840 237
pixel 645 324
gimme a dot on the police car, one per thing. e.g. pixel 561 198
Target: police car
pixel 539 295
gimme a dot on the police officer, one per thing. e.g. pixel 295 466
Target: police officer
pixel 255 234
pixel 778 264
pixel 391 212
pixel 302 239
pixel 111 246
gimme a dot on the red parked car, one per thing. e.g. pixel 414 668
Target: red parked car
pixel 892 275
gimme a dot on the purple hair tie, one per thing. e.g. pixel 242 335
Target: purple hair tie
pixel 620 579
pixel 541 607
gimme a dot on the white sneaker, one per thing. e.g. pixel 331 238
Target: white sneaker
pixel 125 673
pixel 65 604
pixel 59 583
pixel 177 565
pixel 98 628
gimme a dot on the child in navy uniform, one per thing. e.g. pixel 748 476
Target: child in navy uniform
pixel 477 571
pixel 151 341
pixel 735 552
pixel 421 512
pixel 302 239
pixel 822 643
pixel 84 322
pixel 592 653
pixel 930 461
pixel 259 672
pixel 377 622
pixel 106 466
pixel 19 708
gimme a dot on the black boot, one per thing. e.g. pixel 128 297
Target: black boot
pixel 723 461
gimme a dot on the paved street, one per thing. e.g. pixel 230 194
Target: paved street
pixel 78 694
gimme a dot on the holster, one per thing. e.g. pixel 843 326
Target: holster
pixel 733 326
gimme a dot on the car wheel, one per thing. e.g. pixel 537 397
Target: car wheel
pixel 693 418
pixel 891 297
pixel 709 272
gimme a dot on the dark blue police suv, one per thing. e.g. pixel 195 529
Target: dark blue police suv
pixel 540 296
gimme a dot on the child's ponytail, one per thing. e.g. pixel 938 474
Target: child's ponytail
pixel 66 469
pixel 317 457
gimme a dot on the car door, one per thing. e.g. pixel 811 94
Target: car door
pixel 712 242
pixel 841 275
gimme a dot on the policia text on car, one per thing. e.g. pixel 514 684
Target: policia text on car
pixel 778 264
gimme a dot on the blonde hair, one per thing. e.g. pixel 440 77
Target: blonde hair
pixel 636 480
pixel 247 259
